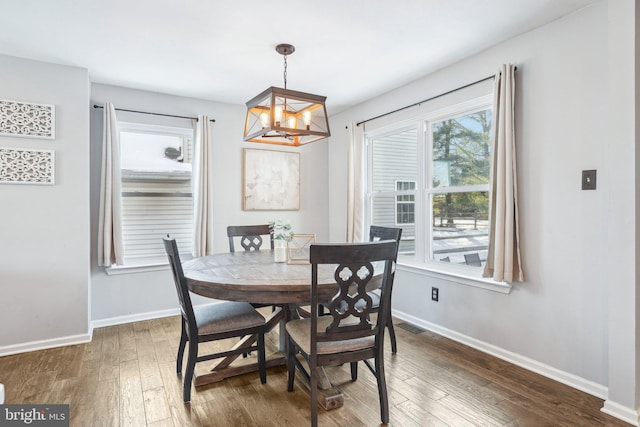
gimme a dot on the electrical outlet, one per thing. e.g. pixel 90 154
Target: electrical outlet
pixel 434 294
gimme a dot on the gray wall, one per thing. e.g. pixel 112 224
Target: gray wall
pixel 575 317
pixel 44 230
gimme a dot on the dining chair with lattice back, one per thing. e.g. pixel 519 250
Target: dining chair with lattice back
pixel 251 239
pixel 251 236
pixel 211 322
pixel 377 233
pixel 346 334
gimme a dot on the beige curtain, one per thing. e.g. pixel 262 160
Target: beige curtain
pixel 202 190
pixel 110 245
pixel 503 259
pixel 355 184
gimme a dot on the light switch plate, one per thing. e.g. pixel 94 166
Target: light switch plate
pixel 589 179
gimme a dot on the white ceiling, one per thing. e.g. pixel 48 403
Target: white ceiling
pixel 348 50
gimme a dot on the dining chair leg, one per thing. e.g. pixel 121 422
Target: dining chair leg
pixel 183 343
pixel 382 388
pixel 354 371
pixel 291 368
pixel 313 389
pixel 191 364
pixel 262 365
pixel 392 336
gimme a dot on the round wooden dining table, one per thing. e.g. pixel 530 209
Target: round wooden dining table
pixel 254 277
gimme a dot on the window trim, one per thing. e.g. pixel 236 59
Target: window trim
pixel 156 263
pixel 459 274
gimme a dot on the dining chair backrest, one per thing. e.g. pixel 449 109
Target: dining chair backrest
pixel 186 308
pixel 377 232
pixel 355 271
pixel 250 236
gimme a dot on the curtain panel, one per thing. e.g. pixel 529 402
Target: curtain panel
pixel 504 258
pixel 110 243
pixel 355 184
pixel 202 190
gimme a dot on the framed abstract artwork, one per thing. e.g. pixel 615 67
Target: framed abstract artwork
pixel 271 180
pixel 27 119
pixel 20 166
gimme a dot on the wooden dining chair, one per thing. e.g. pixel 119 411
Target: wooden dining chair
pixel 228 319
pixel 250 240
pixel 377 233
pixel 250 236
pixel 346 334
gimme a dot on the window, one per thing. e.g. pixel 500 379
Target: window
pixel 430 176
pixel 156 190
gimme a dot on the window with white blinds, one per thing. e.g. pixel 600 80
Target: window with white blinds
pixel 156 190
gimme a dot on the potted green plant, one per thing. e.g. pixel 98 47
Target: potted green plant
pixel 281 233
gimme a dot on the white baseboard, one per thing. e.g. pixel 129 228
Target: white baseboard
pixel 119 320
pixel 44 344
pixel 84 338
pixel 571 380
pixel 621 412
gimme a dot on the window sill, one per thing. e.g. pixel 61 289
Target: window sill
pixel 461 275
pixel 143 265
pixel 115 270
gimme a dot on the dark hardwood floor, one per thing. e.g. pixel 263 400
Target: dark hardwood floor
pixel 126 376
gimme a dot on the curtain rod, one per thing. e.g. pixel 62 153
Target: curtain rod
pixel 155 114
pixel 428 99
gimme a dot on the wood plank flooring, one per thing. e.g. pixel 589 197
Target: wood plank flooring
pixel 126 377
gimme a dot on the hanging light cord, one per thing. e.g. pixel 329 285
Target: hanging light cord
pixel 285 71
pixel 284 111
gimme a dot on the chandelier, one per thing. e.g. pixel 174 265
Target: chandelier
pixel 284 116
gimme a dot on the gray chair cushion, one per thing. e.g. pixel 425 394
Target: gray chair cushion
pixel 299 331
pixel 375 299
pixel 226 316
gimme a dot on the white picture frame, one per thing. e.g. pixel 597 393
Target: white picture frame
pixel 27 119
pixel 23 166
pixel 298 249
pixel 271 180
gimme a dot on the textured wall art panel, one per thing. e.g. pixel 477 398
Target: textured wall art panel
pixel 271 180
pixel 27 119
pixel 18 166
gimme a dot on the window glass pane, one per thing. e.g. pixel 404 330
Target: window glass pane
pixel 153 156
pixel 383 215
pixel 460 227
pixel 394 159
pixel 461 150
